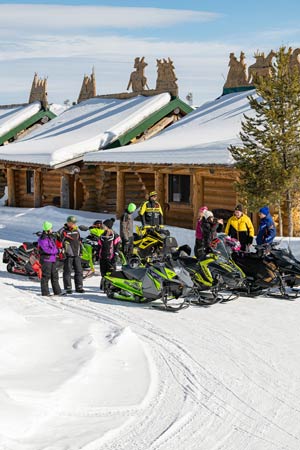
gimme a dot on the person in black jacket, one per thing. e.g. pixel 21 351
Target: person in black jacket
pixel 209 227
pixel 126 229
pixel 151 212
pixel 109 247
pixel 70 238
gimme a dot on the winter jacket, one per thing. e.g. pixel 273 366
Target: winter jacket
pixel 199 234
pixel 109 245
pixel 126 226
pixel 266 231
pixel 151 213
pixel 209 231
pixel 71 241
pixel 47 247
pixel 241 229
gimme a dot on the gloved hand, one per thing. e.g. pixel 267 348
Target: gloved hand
pixel 250 240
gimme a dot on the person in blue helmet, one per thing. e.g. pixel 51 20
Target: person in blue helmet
pixel 266 232
pixel 48 259
pixel 126 229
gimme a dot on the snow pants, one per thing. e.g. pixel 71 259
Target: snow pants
pixel 50 273
pixel 70 263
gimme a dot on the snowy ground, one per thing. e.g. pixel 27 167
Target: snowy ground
pixel 86 372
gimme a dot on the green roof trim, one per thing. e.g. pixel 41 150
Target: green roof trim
pixel 237 89
pixel 26 124
pixel 150 121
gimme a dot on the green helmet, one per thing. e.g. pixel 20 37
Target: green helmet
pixel 71 219
pixel 131 207
pixel 47 226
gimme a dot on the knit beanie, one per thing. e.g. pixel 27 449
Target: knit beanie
pixel 203 208
pixel 264 210
pixel 207 214
pixel 239 207
pixel 109 222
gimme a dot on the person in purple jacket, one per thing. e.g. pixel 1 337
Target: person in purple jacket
pixel 48 252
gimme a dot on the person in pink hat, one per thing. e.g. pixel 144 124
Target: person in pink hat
pixel 198 232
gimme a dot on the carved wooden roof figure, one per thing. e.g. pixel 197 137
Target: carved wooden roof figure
pixel 137 80
pixel 294 60
pixel 39 91
pixel 166 77
pixel 88 87
pixel 262 66
pixel 237 73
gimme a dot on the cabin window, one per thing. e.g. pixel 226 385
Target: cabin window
pixel 30 181
pixel 179 188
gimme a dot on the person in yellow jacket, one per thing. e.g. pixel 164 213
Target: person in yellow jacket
pixel 240 227
pixel 151 212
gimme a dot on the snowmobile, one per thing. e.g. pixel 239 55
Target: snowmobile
pixel 263 275
pixel 147 284
pixel 149 242
pixel 23 260
pixel 287 264
pixel 214 277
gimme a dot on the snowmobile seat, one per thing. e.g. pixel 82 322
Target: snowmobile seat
pixel 28 247
pixel 189 262
pixel 134 273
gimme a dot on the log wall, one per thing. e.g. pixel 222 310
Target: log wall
pixel 219 193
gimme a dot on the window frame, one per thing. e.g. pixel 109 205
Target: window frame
pixel 182 188
pixel 30 182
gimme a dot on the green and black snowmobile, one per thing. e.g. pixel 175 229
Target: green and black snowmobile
pixel 215 277
pixel 148 284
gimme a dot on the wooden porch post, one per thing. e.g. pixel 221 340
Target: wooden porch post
pixel 37 192
pixel 159 187
pixel 120 206
pixel 11 190
pixel 198 194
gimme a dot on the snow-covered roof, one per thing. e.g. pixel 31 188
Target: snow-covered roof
pixel 201 137
pixel 13 117
pixel 86 127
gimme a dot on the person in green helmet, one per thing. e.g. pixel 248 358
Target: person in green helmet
pixel 48 259
pixel 70 238
pixel 126 229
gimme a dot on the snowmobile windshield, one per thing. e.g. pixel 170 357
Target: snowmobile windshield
pixel 221 248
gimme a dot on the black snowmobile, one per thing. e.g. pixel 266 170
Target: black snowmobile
pixel 287 264
pixel 261 275
pixel 23 260
pixel 269 271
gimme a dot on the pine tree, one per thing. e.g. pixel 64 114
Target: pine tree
pixel 269 157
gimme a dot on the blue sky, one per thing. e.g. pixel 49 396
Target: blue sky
pixel 63 40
